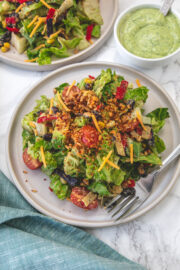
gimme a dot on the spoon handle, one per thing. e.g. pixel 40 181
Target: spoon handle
pixel 166 6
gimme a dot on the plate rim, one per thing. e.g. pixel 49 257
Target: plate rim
pixel 68 60
pixel 71 221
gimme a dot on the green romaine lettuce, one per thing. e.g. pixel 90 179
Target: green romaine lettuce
pixel 99 188
pixel 61 190
pixel 137 94
pixel 101 81
pixel 158 117
pixel 46 53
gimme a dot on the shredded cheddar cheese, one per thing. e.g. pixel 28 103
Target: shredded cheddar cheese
pixel 62 103
pixel 51 104
pixel 32 124
pixel 95 123
pixel 20 7
pixel 34 128
pixel 105 160
pixel 131 153
pixel 43 156
pixel 40 46
pixel 31 60
pixel 44 29
pixel 140 120
pixel 56 33
pixel 91 42
pixel 45 4
pixel 138 83
pixel 33 21
pixel 112 164
pixel 40 21
pixel 70 87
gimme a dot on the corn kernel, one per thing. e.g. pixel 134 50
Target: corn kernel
pixel 50 41
pixel 4 49
pixel 87 80
pixel 4 24
pixel 7 45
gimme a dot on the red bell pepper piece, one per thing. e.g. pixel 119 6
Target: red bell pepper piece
pixel 51 189
pixel 50 14
pixel 89 31
pixel 139 130
pixel 10 20
pixel 43 119
pixel 121 90
pixel 12 29
pixel 92 77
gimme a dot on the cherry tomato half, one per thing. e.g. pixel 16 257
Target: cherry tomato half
pixel 30 162
pixel 77 194
pixel 89 136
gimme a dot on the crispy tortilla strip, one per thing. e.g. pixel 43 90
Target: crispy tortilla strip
pixel 92 9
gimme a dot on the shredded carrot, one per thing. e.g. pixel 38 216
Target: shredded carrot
pixel 44 3
pixel 138 83
pixel 40 21
pixel 140 120
pixel 33 21
pixel 44 29
pixel 112 164
pixel 20 7
pixel 55 34
pixel 51 104
pixel 69 89
pixel 62 103
pixel 131 153
pixel 105 160
pixel 91 42
pixel 43 156
pixel 40 46
pixel 95 123
pixel 31 60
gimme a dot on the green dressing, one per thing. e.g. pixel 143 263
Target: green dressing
pixel 147 33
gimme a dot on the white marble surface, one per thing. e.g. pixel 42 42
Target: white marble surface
pixel 152 240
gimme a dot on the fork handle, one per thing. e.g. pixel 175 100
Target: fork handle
pixel 170 158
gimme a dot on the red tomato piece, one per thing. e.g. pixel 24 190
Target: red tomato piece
pixel 130 183
pixel 92 77
pixel 12 29
pixel 121 90
pixel 77 194
pixel 50 14
pixel 30 162
pixel 89 136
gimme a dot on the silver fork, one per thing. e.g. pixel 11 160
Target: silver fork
pixel 122 206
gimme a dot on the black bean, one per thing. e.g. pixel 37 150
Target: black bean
pixel 88 86
pixel 47 137
pixel 29 3
pixel 72 181
pixel 39 112
pixel 128 191
pixel 49 27
pixel 131 103
pixel 55 109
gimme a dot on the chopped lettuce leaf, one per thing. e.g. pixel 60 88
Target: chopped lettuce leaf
pixel 61 190
pixel 96 32
pixel 101 81
pixel 158 117
pixel 137 94
pixel 45 54
pixel 99 188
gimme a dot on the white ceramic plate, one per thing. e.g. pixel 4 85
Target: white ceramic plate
pixel 44 200
pixel 108 10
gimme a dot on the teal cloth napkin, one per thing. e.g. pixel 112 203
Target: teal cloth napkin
pixel 32 241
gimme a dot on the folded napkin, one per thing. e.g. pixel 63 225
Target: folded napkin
pixel 32 241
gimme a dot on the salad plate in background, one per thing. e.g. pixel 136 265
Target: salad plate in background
pixel 76 41
pixel 34 185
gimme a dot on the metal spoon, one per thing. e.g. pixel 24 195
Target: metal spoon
pixel 166 6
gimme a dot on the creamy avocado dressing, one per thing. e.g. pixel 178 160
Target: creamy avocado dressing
pixel 147 33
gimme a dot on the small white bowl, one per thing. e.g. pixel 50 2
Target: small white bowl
pixel 132 58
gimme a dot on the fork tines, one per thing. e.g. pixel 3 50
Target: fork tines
pixel 120 205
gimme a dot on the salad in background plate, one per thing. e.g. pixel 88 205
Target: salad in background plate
pixel 45 29
pixel 93 139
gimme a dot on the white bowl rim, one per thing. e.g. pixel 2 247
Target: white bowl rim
pixel 138 6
